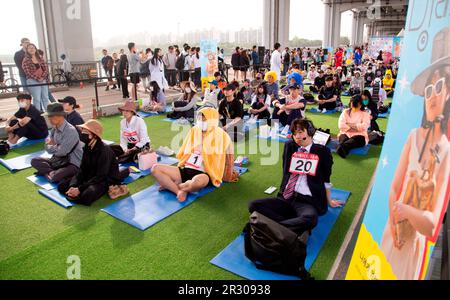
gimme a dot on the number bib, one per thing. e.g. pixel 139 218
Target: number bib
pixel 304 164
pixel 195 161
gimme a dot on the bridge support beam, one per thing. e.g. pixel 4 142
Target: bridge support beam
pixel 64 27
pixel 276 14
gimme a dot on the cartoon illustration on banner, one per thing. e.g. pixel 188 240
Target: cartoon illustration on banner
pixel 411 192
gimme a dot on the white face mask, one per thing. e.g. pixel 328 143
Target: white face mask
pixel 188 90
pixel 22 104
pixel 203 125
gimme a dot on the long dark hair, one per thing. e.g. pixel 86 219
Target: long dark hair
pixel 38 56
pixel 442 70
pixel 354 101
pixel 155 90
pixel 264 86
pixel 156 56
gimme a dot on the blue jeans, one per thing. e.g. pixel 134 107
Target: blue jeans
pixel 39 94
pixel 23 82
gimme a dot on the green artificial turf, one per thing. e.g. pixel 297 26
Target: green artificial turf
pixel 37 236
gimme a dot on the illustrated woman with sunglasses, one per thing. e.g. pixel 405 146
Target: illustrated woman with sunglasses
pixel 419 192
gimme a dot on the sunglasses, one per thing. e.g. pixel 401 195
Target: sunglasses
pixel 437 88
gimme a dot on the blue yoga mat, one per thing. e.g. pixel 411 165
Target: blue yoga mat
pixel 23 142
pixel 22 162
pixel 144 114
pixel 150 206
pixel 333 144
pixel 56 197
pixel 42 182
pixel 383 115
pixel 316 111
pixel 233 258
pixel 277 139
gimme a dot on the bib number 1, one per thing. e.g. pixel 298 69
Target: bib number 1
pixel 195 161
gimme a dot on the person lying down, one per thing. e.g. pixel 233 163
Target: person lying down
pixel 206 158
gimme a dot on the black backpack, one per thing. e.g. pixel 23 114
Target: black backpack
pixel 4 148
pixel 271 246
pixel 179 64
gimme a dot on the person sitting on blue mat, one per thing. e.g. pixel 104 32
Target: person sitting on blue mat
pixel 157 100
pixel 291 108
pixel 185 106
pixel 26 122
pixel 371 107
pixel 206 157
pixel 305 191
pixel 294 78
pixel 231 112
pixel 328 95
pixel 260 104
pixel 353 126
pixel 64 144
pixel 98 172
pixel 133 135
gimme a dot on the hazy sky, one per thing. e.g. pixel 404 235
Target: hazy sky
pixel 156 16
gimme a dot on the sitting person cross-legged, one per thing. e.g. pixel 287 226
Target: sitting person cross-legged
pixel 260 104
pixel 231 112
pixel 65 146
pixel 98 171
pixel 185 106
pixel 157 100
pixel 26 122
pixel 206 157
pixel 353 126
pixel 291 108
pixel 305 191
pixel 133 135
pixel 328 95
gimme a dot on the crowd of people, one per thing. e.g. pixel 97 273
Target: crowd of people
pixel 85 168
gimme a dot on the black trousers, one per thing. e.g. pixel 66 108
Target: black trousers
pixel 328 105
pixel 87 196
pixel 43 167
pixel 124 85
pixel 294 214
pixel 171 77
pixel 346 144
pixel 30 131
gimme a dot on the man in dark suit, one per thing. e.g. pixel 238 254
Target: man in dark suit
pixel 305 191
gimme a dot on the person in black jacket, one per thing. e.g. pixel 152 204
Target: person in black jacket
pixel 305 191
pixel 236 62
pixel 99 168
pixel 122 74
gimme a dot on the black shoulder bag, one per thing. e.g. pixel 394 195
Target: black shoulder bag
pixel 59 162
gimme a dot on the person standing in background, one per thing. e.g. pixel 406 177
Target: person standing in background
pixel 66 68
pixel 50 96
pixel 36 72
pixel 116 60
pixel 235 63
pixel 275 60
pixel 156 69
pixel 286 61
pixel 144 69
pixel 108 65
pixel 197 67
pixel 255 60
pixel 18 59
pixel 133 69
pixel 123 74
pixel 244 63
pixel 169 60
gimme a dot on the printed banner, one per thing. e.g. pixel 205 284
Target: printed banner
pixel 390 45
pixel 208 58
pixel 411 191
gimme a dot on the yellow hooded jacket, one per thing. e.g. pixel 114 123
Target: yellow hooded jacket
pixel 215 144
pixel 388 84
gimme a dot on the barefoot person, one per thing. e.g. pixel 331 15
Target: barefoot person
pixel 206 157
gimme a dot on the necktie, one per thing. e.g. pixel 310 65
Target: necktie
pixel 290 187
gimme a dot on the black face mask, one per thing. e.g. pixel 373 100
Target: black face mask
pixel 85 138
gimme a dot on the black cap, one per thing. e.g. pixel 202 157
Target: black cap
pixel 69 99
pixel 229 87
pixel 294 86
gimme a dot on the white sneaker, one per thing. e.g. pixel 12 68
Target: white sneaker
pixel 324 110
pixel 166 151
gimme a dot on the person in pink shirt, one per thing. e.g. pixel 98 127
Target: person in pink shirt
pixel 353 125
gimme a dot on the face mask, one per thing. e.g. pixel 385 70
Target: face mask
pixel 203 125
pixel 365 102
pixel 85 138
pixel 22 104
pixel 188 90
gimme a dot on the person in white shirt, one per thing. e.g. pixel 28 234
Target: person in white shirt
pixel 275 60
pixel 197 67
pixel 312 74
pixel 156 68
pixel 133 135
